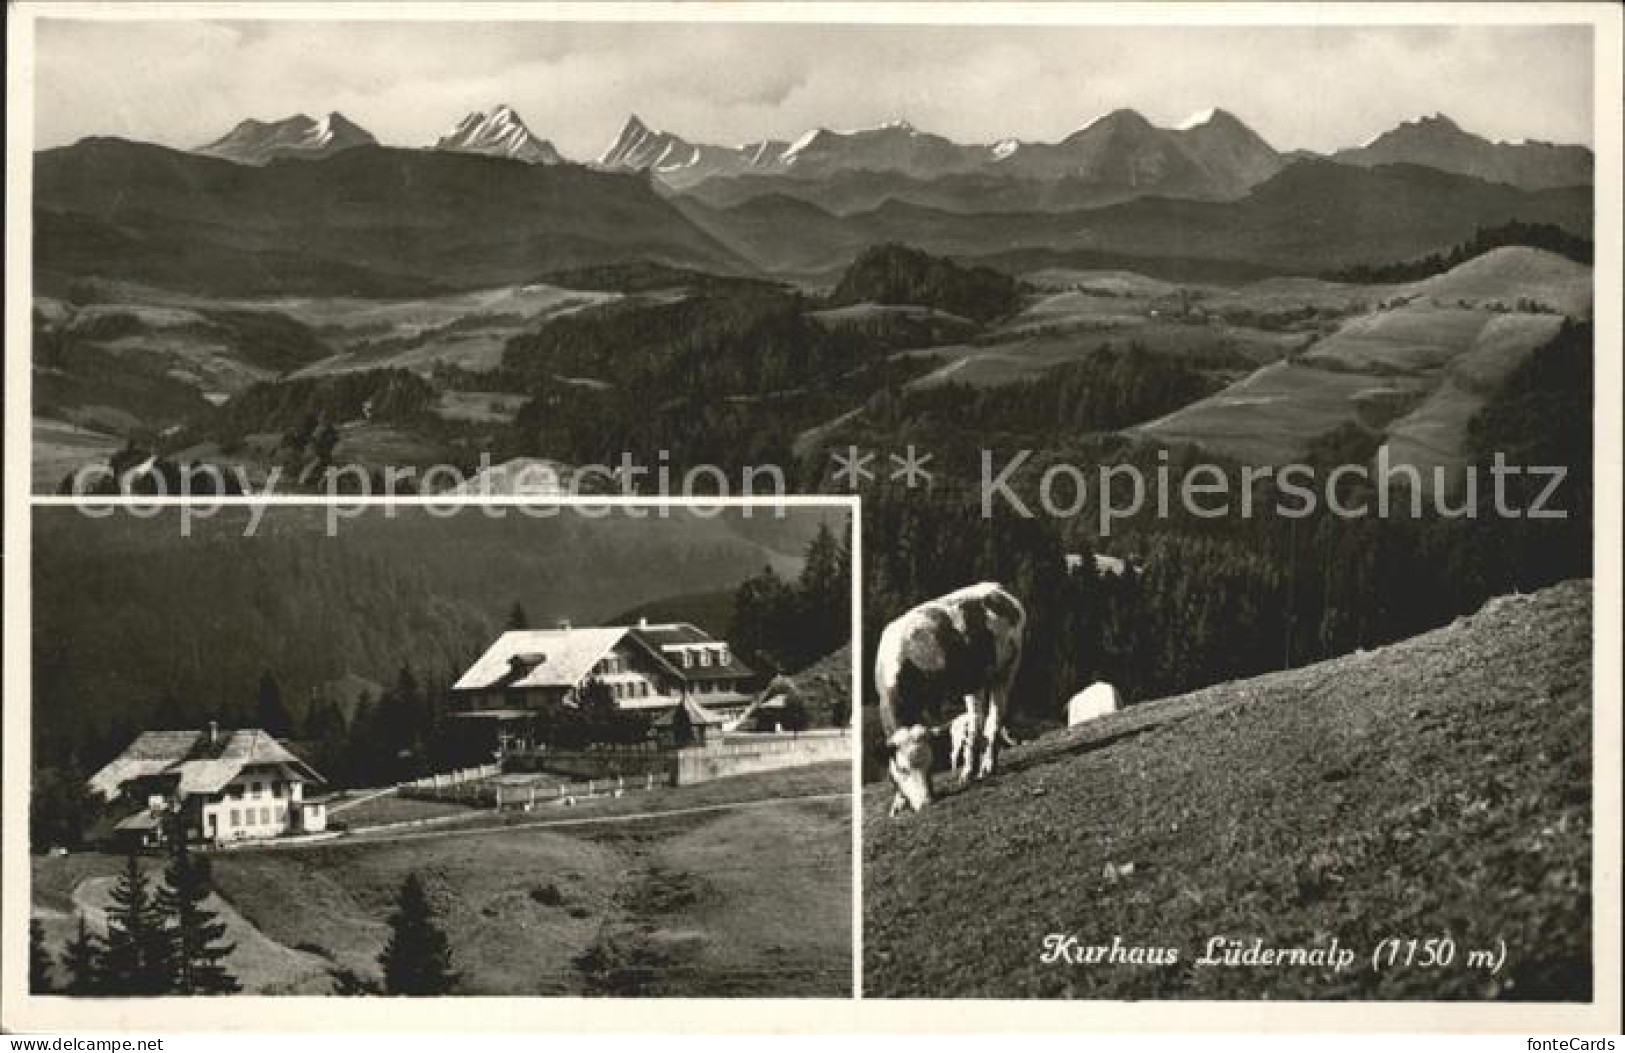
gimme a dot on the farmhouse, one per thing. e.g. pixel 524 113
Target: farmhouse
pixel 652 668
pixel 224 786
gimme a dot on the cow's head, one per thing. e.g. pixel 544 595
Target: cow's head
pixel 909 764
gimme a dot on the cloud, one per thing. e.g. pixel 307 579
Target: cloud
pixel 182 82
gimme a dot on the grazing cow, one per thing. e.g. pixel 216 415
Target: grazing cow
pixel 959 742
pixel 967 645
pixel 1096 700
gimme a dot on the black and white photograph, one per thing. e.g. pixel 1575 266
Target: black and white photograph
pixel 410 754
pixel 1096 517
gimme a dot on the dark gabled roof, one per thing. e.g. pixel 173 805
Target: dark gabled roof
pixel 677 634
pixel 198 764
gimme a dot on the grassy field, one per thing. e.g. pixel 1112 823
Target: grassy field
pixel 466 329
pixel 1434 436
pixel 735 901
pixel 1505 275
pixel 1273 415
pixel 1437 788
pixel 59 448
pixel 1411 339
pixel 391 808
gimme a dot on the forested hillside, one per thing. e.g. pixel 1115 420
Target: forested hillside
pixel 137 623
pixel 1220 598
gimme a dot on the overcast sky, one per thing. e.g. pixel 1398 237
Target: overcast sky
pixel 183 83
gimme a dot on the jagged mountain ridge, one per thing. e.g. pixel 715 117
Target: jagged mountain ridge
pixel 499 133
pixel 1217 156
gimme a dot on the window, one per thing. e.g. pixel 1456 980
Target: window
pixel 236 817
pixel 722 655
pixel 276 788
pixel 688 659
pixel 254 788
pixel 265 816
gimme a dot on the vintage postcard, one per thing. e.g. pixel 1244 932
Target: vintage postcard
pixel 1111 509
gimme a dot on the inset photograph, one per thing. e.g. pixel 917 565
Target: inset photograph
pixel 298 750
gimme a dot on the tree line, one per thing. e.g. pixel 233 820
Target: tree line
pixel 164 939
pixel 1546 236
pixel 161 940
pixel 1210 600
pixel 784 626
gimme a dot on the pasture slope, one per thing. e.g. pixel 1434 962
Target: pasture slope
pixel 1437 787
pixel 744 888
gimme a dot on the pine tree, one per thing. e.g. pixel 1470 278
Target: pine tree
pixel 39 960
pixel 137 958
pixel 417 958
pixel 83 958
pixel 195 952
pixel 270 712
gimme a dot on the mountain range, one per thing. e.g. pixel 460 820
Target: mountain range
pixel 1310 217
pixel 240 217
pixel 1117 156
pixel 366 221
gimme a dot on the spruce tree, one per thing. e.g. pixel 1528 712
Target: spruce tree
pixel 270 712
pixel 39 960
pixel 83 958
pixel 417 958
pixel 196 955
pixel 137 958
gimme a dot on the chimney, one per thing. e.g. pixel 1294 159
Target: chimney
pixel 643 622
pixel 564 625
pixel 214 733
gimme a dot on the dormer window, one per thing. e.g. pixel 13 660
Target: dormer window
pixel 722 655
pixel 705 657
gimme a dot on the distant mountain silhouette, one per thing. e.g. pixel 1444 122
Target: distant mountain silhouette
pixel 258 142
pixel 1438 142
pixel 1309 217
pixel 366 221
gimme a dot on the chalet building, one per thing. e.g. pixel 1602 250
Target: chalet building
pixel 225 786
pixel 653 668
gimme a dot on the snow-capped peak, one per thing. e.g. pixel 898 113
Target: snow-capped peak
pixel 258 142
pixel 1197 119
pixel 807 138
pixel 500 133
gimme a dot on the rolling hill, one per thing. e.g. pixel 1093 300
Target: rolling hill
pixel 368 221
pixel 1309 218
pixel 1438 786
pixel 1413 370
